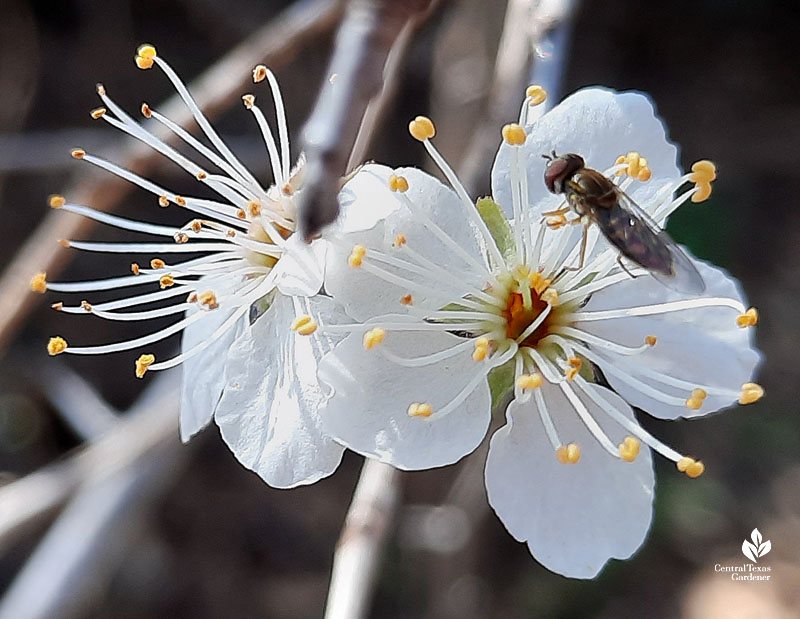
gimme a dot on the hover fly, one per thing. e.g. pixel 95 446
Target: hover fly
pixel 595 199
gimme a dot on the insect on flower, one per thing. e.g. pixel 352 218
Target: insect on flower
pixel 595 199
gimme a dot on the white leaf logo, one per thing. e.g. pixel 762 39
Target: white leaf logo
pixel 756 548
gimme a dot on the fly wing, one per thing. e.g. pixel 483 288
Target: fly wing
pixel 627 226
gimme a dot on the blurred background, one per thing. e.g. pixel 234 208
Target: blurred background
pixel 186 531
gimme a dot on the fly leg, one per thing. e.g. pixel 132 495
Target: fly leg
pixel 624 268
pixel 559 211
pixel 584 240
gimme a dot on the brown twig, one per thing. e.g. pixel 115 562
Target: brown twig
pixel 363 43
pixel 273 44
pixel 361 541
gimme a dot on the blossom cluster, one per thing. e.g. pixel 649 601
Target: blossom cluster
pixel 421 310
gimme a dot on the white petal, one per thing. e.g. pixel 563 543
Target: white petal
pixel 300 269
pixel 364 294
pixel 369 409
pixel 703 346
pixel 599 125
pixel 365 199
pixel 269 411
pixel 574 517
pixel 204 374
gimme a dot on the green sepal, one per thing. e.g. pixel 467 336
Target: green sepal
pixel 501 382
pixel 499 228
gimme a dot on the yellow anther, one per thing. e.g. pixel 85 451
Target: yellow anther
pixel 180 201
pixel 356 256
pixel 514 134
pixel 303 325
pixel 196 225
pixel 633 163
pixel 146 111
pixel 142 363
pixel 568 454
pixel 254 206
pixel 78 153
pixel 699 393
pixel 165 281
pixel 636 166
pixel 398 183
pixel 97 112
pixel 536 94
pixel 307 329
pixel 694 403
pixel 575 362
pixel 703 192
pixel 400 240
pixel 181 237
pixel 163 201
pixel 259 73
pixel 201 176
pixel 241 214
pixel 287 189
pixel 39 282
pixel 208 299
pixel 571 373
pixel 63 242
pixel 651 340
pixel 550 296
pixel 373 337
pixel 157 263
pixel 86 306
pixel 249 101
pixel 481 349
pixel 422 128
pixel 135 268
pixel 192 297
pixel 407 299
pixel 529 382
pixel 703 171
pixel 693 468
pixel 146 50
pixel 629 449
pixel 56 346
pixel 751 392
pixel 748 319
pixel 420 410
pixel 300 321
pixel 143 63
pixel 56 201
pixel 57 306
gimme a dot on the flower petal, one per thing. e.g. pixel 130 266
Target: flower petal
pixel 703 346
pixel 300 269
pixel 369 409
pixel 599 124
pixel 203 374
pixel 574 517
pixel 269 411
pixel 365 294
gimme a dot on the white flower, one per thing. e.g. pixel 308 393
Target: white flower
pixel 439 303
pixel 246 362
